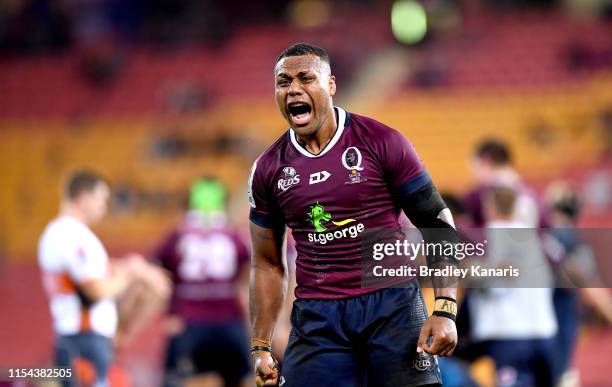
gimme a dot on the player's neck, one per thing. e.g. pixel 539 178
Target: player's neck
pixel 72 211
pixel 316 142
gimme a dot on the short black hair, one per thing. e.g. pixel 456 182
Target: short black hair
pixel 495 151
pixel 569 205
pixel 81 181
pixel 564 199
pixel 299 49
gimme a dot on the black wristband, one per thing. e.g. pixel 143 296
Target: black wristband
pixel 444 314
pixel 256 348
pixel 446 298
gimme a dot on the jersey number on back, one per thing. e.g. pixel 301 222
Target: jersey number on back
pixel 213 257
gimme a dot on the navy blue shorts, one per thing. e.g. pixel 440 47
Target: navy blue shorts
pixel 369 340
pixel 203 348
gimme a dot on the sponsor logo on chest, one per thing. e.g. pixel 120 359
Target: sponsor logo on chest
pixel 322 219
pixel 319 177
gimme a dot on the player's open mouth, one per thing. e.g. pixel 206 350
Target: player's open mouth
pixel 300 113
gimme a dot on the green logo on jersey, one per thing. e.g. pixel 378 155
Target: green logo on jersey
pixel 317 215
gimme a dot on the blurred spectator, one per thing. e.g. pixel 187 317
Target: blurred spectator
pixel 100 64
pixel 564 209
pixel 434 71
pixel 34 25
pixel 542 134
pixel 43 24
pixel 581 57
pixel 186 97
pixel 84 285
pixel 515 325
pixel 206 323
pixel 173 143
pixel 576 268
pixel 168 146
pixel 492 165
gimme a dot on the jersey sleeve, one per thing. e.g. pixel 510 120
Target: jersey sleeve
pixel 401 165
pixel 264 210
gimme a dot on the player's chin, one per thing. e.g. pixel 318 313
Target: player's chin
pixel 303 130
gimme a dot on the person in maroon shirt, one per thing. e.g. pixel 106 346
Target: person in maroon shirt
pixel 208 264
pixel 492 165
pixel 333 178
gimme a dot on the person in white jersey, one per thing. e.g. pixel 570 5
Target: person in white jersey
pixel 82 283
pixel 514 318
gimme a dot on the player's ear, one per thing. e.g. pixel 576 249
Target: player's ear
pixel 332 85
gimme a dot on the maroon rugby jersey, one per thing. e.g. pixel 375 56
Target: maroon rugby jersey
pixel 205 263
pixel 331 200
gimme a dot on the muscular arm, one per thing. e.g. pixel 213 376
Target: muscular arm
pixel 268 285
pixel 109 287
pixel 427 211
pixel 123 273
pixel 268 288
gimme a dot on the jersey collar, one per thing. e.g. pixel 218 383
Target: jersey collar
pixel 341 115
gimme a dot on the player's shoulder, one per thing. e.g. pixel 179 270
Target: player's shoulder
pixel 60 235
pixel 372 130
pixel 271 156
pixel 68 231
pixel 61 227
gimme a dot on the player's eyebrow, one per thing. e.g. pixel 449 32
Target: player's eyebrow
pixel 299 75
pixel 303 73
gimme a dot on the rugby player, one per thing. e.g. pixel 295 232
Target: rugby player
pixel 208 338
pixel 514 324
pixel 83 284
pixel 492 165
pixel 330 178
